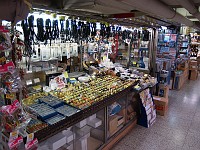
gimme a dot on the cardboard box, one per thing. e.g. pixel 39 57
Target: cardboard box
pixel 164 91
pixel 93 143
pixel 130 109
pixel 122 112
pixel 183 66
pixel 131 116
pixel 161 105
pixel 120 121
pixel 171 84
pixel 193 74
pixel 113 123
pixel 193 65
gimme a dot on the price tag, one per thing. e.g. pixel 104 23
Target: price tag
pixel 13 135
pixel 36 80
pixel 10 96
pixel 29 82
pixel 134 63
pixel 66 74
pixel 30 137
pixel 104 58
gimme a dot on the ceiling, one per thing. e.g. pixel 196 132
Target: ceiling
pixel 130 12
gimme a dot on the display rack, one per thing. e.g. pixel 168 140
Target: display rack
pixel 69 121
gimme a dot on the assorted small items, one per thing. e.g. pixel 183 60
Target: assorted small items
pixel 54 119
pixel 35 125
pixel 15 141
pixel 67 110
pixel 31 142
pixel 83 95
pixel 5 41
pixel 14 117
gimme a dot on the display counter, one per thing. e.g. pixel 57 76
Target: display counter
pixel 92 115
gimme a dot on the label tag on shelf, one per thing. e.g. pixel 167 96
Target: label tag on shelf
pixel 10 96
pixel 36 80
pixel 29 82
pixel 66 74
pixel 30 137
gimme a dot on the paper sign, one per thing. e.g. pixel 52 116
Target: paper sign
pixel 30 137
pixel 66 74
pixel 36 80
pixel 157 98
pixel 13 135
pixel 29 82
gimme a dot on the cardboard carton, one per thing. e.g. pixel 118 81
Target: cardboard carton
pixel 161 105
pixel 113 123
pixel 193 74
pixel 164 91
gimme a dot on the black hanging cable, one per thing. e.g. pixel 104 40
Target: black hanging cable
pixel 88 30
pixel 40 28
pixel 67 30
pixel 48 33
pixel 62 30
pixel 80 29
pixel 55 30
pixel 31 27
pixel 94 26
pixel 108 30
pixel 27 42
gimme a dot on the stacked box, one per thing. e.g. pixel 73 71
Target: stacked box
pixel 161 104
pixel 193 65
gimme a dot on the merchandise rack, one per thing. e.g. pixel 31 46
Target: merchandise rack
pixel 49 131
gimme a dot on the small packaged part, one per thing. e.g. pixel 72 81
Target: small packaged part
pixel 54 119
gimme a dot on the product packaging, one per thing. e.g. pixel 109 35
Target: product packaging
pixel 13 117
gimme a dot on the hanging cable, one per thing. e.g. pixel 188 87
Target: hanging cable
pixel 40 29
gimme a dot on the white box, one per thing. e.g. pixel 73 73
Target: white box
pixel 81 123
pixel 83 131
pixel 69 135
pixel 91 117
pixel 70 146
pixel 95 122
pixel 56 141
pixel 81 144
pixel 67 147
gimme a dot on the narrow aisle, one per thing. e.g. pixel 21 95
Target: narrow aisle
pixel 178 130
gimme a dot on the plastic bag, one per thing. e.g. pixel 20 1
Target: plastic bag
pixel 14 117
pixel 5 41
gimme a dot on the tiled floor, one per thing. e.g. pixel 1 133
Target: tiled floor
pixel 178 130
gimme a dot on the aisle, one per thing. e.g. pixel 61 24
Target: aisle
pixel 178 130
